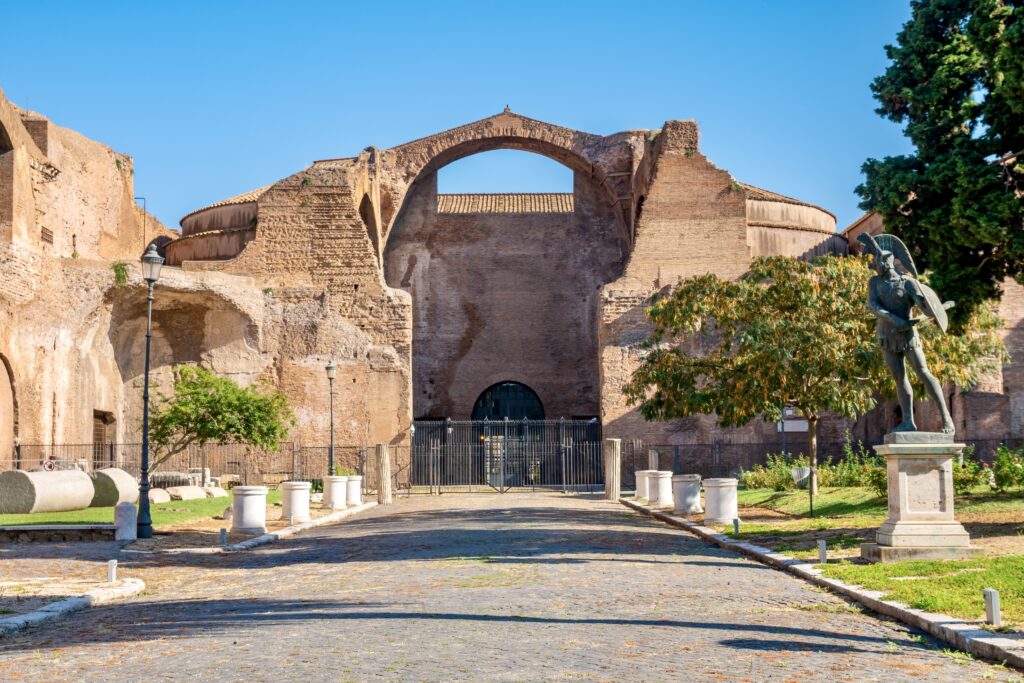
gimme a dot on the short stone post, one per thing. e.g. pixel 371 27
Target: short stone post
pixel 720 498
pixel 384 496
pixel 335 491
pixel 993 615
pixel 686 494
pixel 125 522
pixel 295 500
pixel 643 484
pixel 659 484
pixel 653 461
pixel 612 468
pixel 249 509
pixel 125 528
pixel 354 490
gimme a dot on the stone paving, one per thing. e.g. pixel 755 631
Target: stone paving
pixel 520 587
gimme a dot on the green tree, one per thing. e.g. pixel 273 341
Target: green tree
pixel 956 80
pixel 792 333
pixel 207 408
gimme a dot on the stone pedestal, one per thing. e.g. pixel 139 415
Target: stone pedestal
pixel 354 490
pixel 125 522
pixel 686 494
pixel 720 499
pixel 659 489
pixel 335 491
pixel 612 468
pixel 643 483
pixel 295 501
pixel 249 509
pixel 920 525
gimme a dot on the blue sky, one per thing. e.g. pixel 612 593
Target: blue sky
pixel 216 98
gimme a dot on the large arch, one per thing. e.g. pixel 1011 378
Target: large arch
pixel 609 163
pixel 499 293
pixel 8 410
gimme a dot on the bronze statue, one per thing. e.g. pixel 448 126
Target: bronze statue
pixel 891 296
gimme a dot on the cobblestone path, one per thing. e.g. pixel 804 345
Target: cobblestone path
pixel 484 587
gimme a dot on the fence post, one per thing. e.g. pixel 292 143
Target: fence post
pixel 383 475
pixel 653 460
pixel 612 468
pixel 677 467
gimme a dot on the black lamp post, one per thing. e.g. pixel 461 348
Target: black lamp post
pixel 331 370
pixel 151 263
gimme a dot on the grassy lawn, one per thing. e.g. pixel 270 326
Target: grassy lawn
pixel 946 587
pixel 164 514
pixel 846 517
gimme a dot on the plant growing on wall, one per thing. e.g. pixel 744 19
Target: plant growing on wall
pixel 790 332
pixel 206 408
pixel 956 80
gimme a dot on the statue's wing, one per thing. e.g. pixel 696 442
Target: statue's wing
pixel 870 245
pixel 894 244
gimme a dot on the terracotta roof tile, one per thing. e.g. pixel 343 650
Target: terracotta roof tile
pixel 244 198
pixel 550 202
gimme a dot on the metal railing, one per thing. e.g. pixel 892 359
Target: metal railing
pixel 503 455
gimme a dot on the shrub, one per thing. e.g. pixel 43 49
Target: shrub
pixel 878 479
pixel 968 473
pixel 775 474
pixel 1007 469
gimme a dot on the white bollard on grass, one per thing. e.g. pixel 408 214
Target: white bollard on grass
pixel 249 509
pixel 720 501
pixel 125 522
pixel 111 571
pixel 295 501
pixel 660 489
pixel 736 527
pixel 354 490
pixel 223 536
pixel 993 615
pixel 686 494
pixel 822 551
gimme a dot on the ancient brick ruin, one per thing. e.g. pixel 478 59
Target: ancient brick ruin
pixel 424 301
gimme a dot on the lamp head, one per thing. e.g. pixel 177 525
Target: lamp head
pixel 331 370
pixel 151 264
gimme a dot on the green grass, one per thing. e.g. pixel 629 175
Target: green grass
pixel 863 502
pixel 946 587
pixel 164 514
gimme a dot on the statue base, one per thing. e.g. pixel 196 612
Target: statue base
pixel 920 525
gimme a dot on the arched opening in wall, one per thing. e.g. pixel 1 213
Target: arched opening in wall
pixel 5 140
pixel 8 413
pixel 513 400
pixel 505 283
pixel 366 214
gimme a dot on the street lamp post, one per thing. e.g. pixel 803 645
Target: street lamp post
pixel 331 370
pixel 151 263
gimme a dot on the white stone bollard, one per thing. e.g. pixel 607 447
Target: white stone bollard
pixel 643 484
pixel 335 491
pixel 125 522
pixel 111 571
pixel 659 484
pixel 354 490
pixel 720 499
pixel 686 494
pixel 249 510
pixel 295 501
pixel 993 615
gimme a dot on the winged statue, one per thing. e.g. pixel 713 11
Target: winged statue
pixel 893 293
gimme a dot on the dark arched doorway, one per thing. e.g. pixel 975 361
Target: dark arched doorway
pixel 513 400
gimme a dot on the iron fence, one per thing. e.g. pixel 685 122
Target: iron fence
pixel 223 464
pixel 502 455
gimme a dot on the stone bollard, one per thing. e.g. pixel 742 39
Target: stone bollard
pixel 125 522
pixel 686 494
pixel 659 485
pixel 354 490
pixel 335 491
pixel 295 501
pixel 383 474
pixel 720 499
pixel 612 468
pixel 249 509
pixel 643 484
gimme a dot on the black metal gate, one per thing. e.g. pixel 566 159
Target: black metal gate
pixel 504 455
